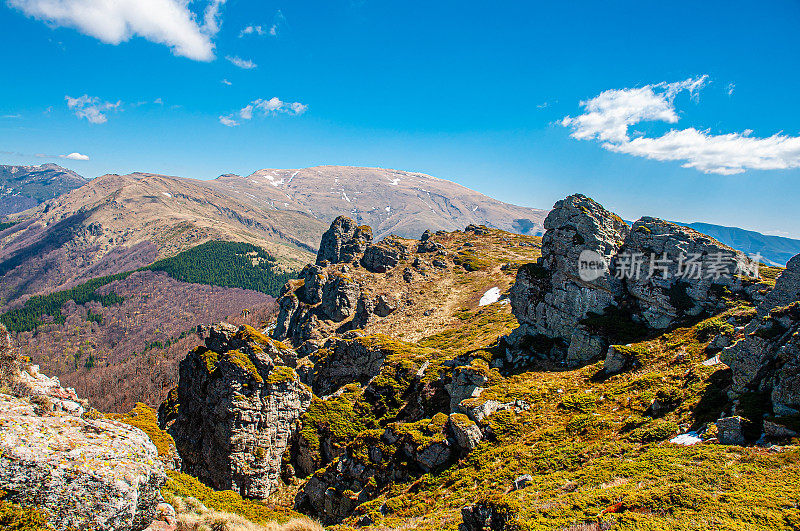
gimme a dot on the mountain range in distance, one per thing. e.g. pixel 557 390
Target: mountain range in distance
pixel 774 250
pixel 24 187
pixel 390 201
pixel 118 223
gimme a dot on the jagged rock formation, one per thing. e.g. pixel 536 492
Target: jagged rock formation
pixel 239 399
pixel 665 296
pixel 84 472
pixel 343 241
pixel 395 454
pixel 340 362
pixel 549 298
pixel 382 257
pixel 765 357
pixel 599 282
pixel 326 292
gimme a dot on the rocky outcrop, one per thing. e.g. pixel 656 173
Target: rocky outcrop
pixel 765 355
pixel 381 257
pixel 339 297
pixel 325 298
pixel 599 282
pixel 550 299
pixel 343 241
pixel 83 472
pixel 669 288
pixel 483 516
pixel 239 399
pixel 343 361
pixel 97 474
pixel 399 452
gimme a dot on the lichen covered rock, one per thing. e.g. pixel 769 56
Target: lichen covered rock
pixel 599 282
pixel 84 473
pixel 550 299
pixel 239 399
pixel 765 356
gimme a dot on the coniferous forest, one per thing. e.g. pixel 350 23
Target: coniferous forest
pixel 216 263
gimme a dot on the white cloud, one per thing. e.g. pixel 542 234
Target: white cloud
pixel 730 88
pixel 241 63
pixel 246 113
pixel 168 22
pixel 91 108
pixel 226 120
pixel 250 30
pixel 211 16
pixel 226 82
pixel 278 21
pixel 74 156
pixel 270 107
pixel 609 115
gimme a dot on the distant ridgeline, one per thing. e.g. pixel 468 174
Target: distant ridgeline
pixel 216 263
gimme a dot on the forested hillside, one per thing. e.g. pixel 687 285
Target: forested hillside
pixel 227 264
pixel 215 263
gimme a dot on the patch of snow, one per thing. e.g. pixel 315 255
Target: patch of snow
pixel 394 182
pixel 687 439
pixel 710 362
pixel 475 208
pixel 292 177
pixel 273 180
pixel 491 296
pixel 388 209
pixel 167 194
pixel 344 196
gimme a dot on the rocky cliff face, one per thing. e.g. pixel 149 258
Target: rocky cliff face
pixel 549 298
pixel 84 472
pixel 326 298
pixel 343 241
pixel 765 355
pixel 599 282
pixel 240 398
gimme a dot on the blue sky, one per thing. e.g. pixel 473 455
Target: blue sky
pixel 524 101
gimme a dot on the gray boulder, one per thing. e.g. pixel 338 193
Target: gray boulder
pixel 340 296
pixel 599 283
pixel 765 356
pixel 85 474
pixel 343 241
pixel 550 298
pixel 667 289
pixel 382 257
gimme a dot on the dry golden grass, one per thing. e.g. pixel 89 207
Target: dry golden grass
pixel 194 516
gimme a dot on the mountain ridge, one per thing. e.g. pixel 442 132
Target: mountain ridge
pixel 24 187
pixel 391 201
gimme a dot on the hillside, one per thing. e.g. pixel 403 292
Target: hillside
pixel 24 187
pixel 111 337
pixel 119 223
pixel 470 380
pixel 390 201
pixel 118 354
pixel 435 405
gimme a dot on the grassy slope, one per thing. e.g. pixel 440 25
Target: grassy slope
pixel 597 458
